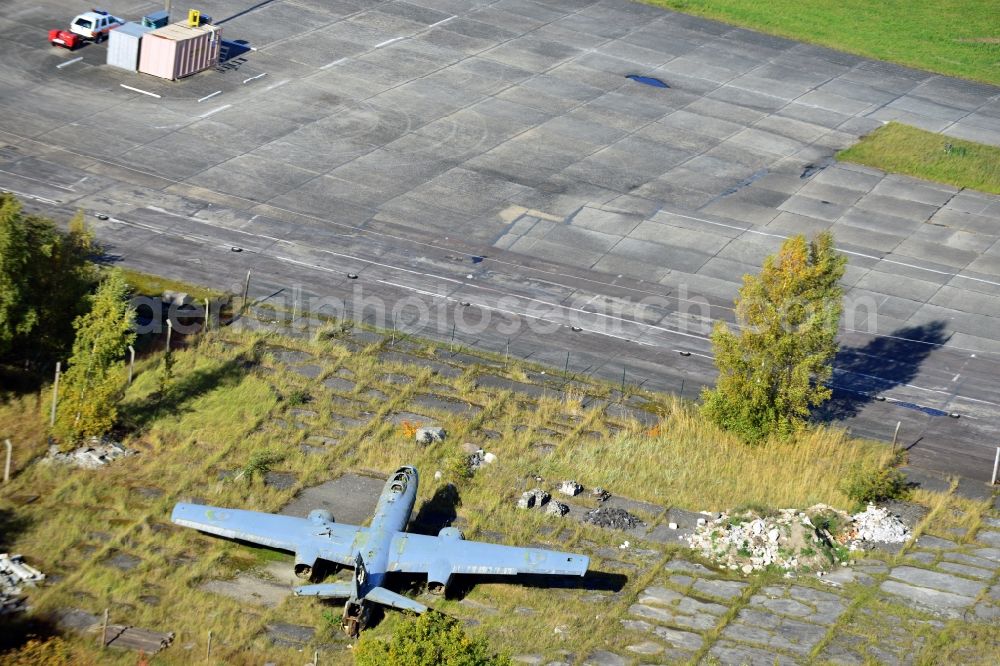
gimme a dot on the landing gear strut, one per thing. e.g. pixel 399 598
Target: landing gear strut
pixel 355 618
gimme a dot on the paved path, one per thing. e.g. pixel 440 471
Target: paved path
pixel 404 141
pixel 689 613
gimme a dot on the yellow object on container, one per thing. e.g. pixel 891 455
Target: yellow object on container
pixel 194 18
pixel 179 50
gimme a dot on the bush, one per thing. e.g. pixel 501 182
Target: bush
pixel 431 639
pixel 866 484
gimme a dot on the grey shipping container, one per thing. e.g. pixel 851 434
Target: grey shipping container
pixel 124 44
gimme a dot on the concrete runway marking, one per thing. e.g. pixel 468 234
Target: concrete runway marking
pixel 34 197
pixel 442 22
pixel 254 78
pixel 217 92
pixel 69 62
pixel 214 111
pixel 37 180
pixel 335 62
pixel 387 42
pixel 138 90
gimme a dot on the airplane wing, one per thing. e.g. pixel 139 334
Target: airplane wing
pixel 329 541
pixel 416 553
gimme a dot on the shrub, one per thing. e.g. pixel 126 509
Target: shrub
pixel 878 484
pixel 431 639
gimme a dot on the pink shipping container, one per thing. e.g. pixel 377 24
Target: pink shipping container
pixel 178 50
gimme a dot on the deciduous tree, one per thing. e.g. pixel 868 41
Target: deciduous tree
pixel 773 368
pixel 431 639
pixel 96 376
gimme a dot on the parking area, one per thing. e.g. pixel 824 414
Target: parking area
pixel 513 129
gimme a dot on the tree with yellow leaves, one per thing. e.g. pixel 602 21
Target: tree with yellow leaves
pixel 774 367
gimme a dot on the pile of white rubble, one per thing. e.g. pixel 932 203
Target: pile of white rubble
pixel 15 574
pixel 875 525
pixel 791 539
pixel 92 455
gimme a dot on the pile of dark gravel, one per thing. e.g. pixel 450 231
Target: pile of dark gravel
pixel 618 519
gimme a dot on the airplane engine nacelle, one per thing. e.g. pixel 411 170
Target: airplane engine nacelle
pixel 320 516
pixel 305 564
pixel 451 534
pixel 439 575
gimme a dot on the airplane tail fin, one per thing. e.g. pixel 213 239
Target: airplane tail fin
pixel 380 595
pixel 326 591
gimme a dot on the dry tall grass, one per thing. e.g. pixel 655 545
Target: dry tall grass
pixel 693 464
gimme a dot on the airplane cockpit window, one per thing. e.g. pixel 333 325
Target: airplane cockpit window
pixel 398 483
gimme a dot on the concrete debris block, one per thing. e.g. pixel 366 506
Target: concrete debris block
pixel 94 454
pixel 177 298
pixel 571 488
pixel 618 519
pixel 475 460
pixel 15 574
pixel 672 526
pixel 430 435
pixel 533 498
pixel 557 509
pixel 877 525
pixel 600 494
pixel 489 458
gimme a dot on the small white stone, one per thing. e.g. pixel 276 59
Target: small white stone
pixel 672 526
pixel 701 522
pixel 438 475
pixel 489 458
pixel 624 545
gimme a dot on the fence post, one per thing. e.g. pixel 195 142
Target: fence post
pixel 6 467
pixel 895 436
pixel 208 314
pixel 170 330
pixel 208 650
pixel 55 395
pixel 246 290
pixel 131 362
pixel 996 465
pixel 104 630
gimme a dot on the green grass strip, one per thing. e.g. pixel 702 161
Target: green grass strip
pixel 915 152
pixel 953 37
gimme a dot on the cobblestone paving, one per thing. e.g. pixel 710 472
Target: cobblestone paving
pixel 876 611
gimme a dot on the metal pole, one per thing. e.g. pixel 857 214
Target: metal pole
pixel 566 367
pixel 623 381
pixel 131 362
pixel 208 650
pixel 996 464
pixel 895 436
pixel 453 337
pixel 506 354
pixel 170 329
pixel 208 313
pixel 6 468
pixel 246 290
pixel 104 630
pixel 55 395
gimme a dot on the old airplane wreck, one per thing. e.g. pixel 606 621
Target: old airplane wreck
pixel 384 547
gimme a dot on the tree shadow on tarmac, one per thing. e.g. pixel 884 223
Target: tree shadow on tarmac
pixel 862 373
